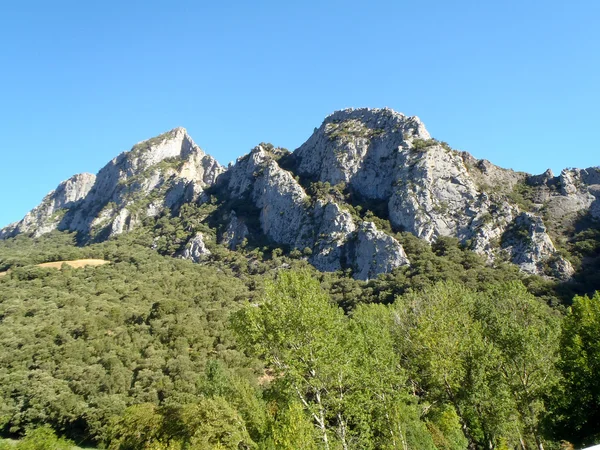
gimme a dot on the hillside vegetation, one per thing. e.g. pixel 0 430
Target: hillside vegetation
pixel 156 352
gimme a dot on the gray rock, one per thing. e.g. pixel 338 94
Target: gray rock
pixel 376 252
pixel 235 233
pixel 381 157
pixel 530 247
pixel 335 228
pixel 195 250
pixel 385 156
pixel 245 171
pixel 540 180
pixel 9 230
pixel 122 222
pixel 284 216
pixel 359 147
pixel 568 182
pixel 171 167
pixel 48 215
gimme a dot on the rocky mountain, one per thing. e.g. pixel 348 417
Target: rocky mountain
pixel 154 175
pixel 339 199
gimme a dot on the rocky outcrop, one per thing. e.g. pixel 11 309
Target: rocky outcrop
pixel 48 215
pixel 430 189
pixel 156 174
pixel 235 232
pixel 335 230
pixel 359 147
pixel 241 176
pixel 541 180
pixel 529 246
pixel 284 216
pixel 196 250
pixel 289 217
pixel 375 252
pixel 434 195
pixel 121 222
pixel 280 201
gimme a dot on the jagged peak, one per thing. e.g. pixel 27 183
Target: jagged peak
pixel 380 118
pixel 178 133
pixel 80 177
pixel 175 143
pixel 353 112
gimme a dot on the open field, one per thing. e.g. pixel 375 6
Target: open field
pixel 76 263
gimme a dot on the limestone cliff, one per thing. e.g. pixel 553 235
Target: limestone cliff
pixel 156 174
pixel 339 199
pixel 47 215
pixel 290 217
pixel 430 189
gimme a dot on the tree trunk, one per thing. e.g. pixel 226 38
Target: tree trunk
pixel 342 433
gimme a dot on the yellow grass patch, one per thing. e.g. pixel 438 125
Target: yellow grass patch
pixel 77 263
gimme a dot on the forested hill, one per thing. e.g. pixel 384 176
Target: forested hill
pixel 373 289
pixel 144 352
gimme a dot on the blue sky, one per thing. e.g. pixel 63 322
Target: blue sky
pixel 515 82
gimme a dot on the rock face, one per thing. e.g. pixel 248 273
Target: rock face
pixel 289 217
pixel 195 249
pixel 580 188
pixel 376 252
pixel 235 233
pixel 359 148
pixel 375 159
pixel 47 215
pixel 283 214
pixel 530 247
pixel 336 228
pixel 429 189
pixel 160 173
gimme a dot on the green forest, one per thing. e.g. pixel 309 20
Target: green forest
pixel 255 349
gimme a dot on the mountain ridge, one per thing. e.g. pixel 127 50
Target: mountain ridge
pixel 338 198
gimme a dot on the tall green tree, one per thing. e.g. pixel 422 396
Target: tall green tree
pixel 525 332
pixel 300 335
pixel 381 401
pixel 450 362
pixel 343 371
pixel 579 411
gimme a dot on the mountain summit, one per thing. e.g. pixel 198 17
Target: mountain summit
pixel 364 175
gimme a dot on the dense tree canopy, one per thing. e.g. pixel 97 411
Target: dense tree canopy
pixel 255 349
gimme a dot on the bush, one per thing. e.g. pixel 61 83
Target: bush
pixel 423 144
pixel 42 438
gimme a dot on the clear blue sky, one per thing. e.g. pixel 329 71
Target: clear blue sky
pixel 515 82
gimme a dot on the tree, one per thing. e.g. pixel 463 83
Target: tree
pixel 42 438
pixel 138 428
pixel 300 335
pixel 525 331
pixel 381 400
pixel 344 372
pixel 579 406
pixel 291 429
pixel 449 361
